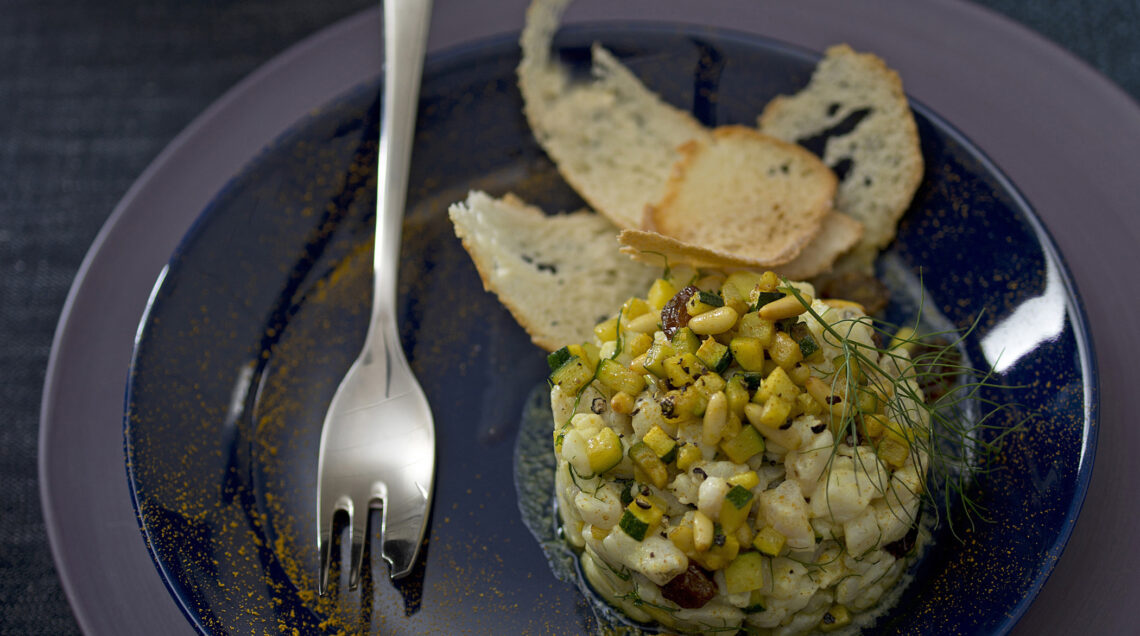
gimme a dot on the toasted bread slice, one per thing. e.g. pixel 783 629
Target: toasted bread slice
pixel 613 140
pixel 839 233
pixel 559 275
pixel 746 196
pixel 855 104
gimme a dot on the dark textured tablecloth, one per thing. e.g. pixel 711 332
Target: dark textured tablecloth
pixel 90 92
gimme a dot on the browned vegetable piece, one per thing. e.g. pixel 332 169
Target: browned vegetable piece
pixel 690 589
pixel 674 315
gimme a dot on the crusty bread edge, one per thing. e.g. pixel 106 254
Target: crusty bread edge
pixel 483 269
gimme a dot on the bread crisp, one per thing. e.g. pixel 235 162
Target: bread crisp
pixel 838 234
pixel 613 140
pixel 856 106
pixel 746 196
pixel 558 275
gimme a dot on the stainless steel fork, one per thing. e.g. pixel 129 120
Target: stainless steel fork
pixel 378 441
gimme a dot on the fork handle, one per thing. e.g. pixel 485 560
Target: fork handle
pixel 405 41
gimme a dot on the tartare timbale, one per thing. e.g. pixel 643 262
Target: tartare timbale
pixel 735 453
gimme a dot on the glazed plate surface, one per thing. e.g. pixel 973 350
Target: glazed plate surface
pixel 264 305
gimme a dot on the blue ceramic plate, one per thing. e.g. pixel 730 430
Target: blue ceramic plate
pixel 264 305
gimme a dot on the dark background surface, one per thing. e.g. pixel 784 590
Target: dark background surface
pixel 89 95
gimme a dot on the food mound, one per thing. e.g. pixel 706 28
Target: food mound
pixel 733 453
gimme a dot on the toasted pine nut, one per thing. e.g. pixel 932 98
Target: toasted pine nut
pixel 702 531
pixel 786 307
pixel 716 415
pixel 645 323
pixel 622 402
pixel 718 320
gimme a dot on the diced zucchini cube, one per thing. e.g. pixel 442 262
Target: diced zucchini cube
pixel 557 358
pixel 785 351
pixel 875 425
pixel 751 379
pixel 734 298
pixel 649 463
pixel 769 281
pixel 745 573
pixel 687 455
pixel 587 351
pixel 734 511
pixel 751 325
pixel 685 341
pixel 866 401
pixel 708 384
pixel 893 453
pixel 683 369
pixel 655 358
pixel 748 353
pixel 682 404
pixel 659 293
pixel 633 308
pixel 724 549
pixel 604 450
pixel 737 394
pixel 682 537
pixel 703 301
pixel 607 330
pixel 775 412
pixel 634 527
pixel 739 496
pixel 809 348
pixel 747 479
pixel 714 355
pixel 664 446
pixel 648 509
pixel 572 376
pixel 743 445
pixel 807 405
pixel 777 384
pixel 638 343
pixel 732 426
pixel 900 432
pixel 742 283
pixel 619 377
pixel 769 541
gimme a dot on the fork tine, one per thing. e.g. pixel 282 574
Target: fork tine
pixel 358 535
pixel 324 544
pixel 404 521
pixel 327 507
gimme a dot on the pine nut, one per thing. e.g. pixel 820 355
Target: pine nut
pixel 716 416
pixel 645 323
pixel 787 307
pixel 702 532
pixel 718 320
